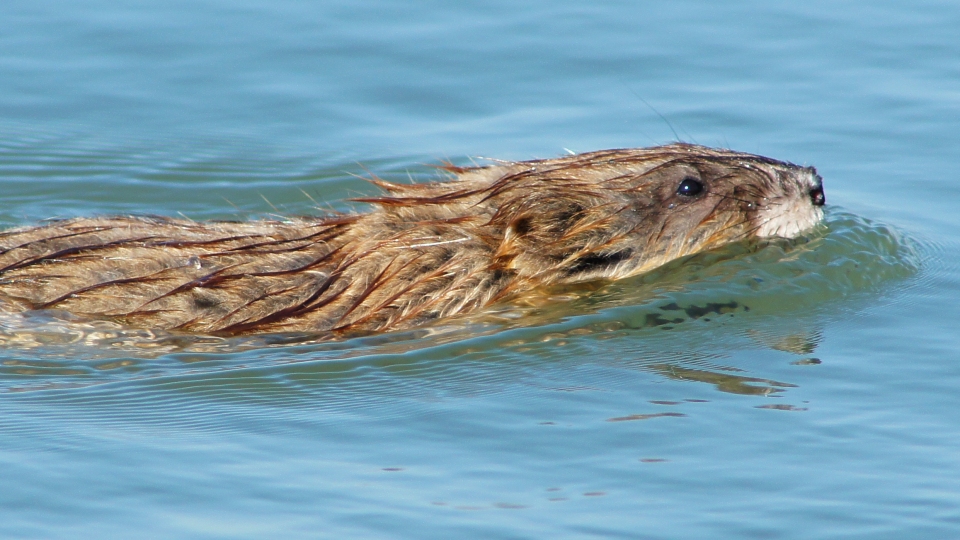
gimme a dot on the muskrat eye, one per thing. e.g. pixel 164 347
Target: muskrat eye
pixel 690 187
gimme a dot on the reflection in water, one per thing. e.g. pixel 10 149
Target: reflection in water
pixel 645 416
pixel 446 356
pixel 725 382
pixel 781 407
pixel 797 343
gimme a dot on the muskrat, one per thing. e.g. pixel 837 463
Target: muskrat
pixel 425 251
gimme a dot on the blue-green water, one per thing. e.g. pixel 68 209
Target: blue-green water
pixel 801 390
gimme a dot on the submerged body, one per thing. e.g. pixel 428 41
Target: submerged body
pixel 426 250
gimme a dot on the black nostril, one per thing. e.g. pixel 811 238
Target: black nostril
pixel 817 196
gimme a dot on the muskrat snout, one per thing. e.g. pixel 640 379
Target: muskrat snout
pixel 817 196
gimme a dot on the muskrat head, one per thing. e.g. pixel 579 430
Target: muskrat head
pixel 616 213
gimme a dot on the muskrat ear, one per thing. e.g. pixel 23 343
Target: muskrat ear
pixel 547 221
pixel 540 224
pixel 521 226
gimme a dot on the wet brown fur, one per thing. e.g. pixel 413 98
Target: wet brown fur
pixel 426 250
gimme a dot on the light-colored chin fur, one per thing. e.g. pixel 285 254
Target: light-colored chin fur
pixel 790 214
pixel 787 219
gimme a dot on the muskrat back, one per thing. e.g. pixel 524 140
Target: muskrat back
pixel 425 251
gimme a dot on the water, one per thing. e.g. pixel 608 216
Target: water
pixel 798 390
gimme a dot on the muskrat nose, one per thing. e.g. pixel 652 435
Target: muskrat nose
pixel 817 196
